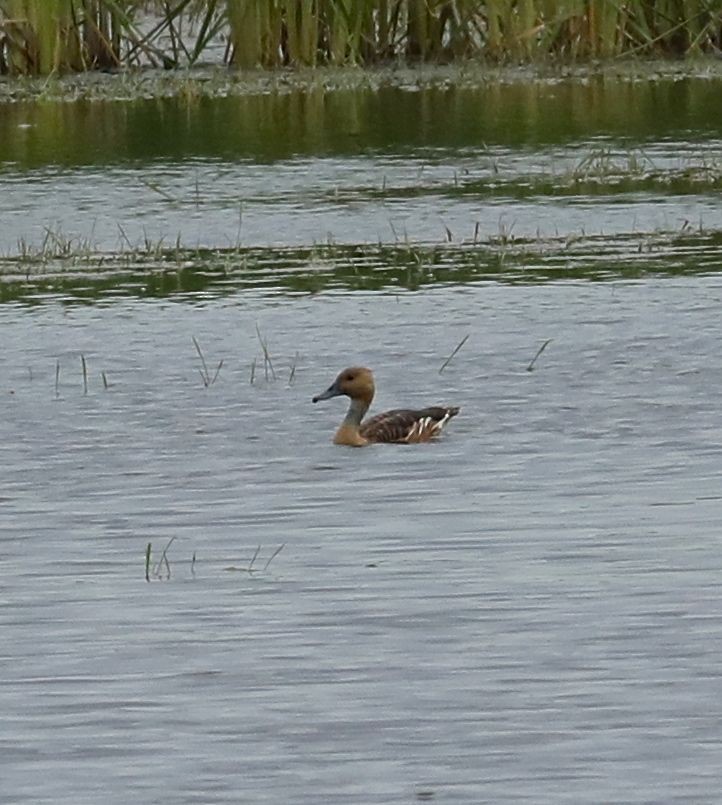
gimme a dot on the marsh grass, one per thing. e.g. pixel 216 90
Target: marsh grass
pixel 500 255
pixel 530 367
pixel 206 376
pixel 55 246
pixel 51 36
pixel 161 570
pixel 250 567
pixel 267 362
pixel 456 349
pixel 602 171
pixel 292 371
pixel 84 367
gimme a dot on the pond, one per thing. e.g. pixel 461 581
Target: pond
pixel 527 609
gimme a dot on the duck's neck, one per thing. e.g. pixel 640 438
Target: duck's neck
pixel 356 412
pixel 349 433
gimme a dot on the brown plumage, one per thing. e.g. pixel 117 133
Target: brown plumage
pixel 402 426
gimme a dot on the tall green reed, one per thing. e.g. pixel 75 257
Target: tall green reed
pixel 46 36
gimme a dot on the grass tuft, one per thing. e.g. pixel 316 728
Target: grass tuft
pixel 267 362
pixel 206 377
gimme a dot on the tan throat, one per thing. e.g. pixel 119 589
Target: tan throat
pixel 350 436
pixel 349 432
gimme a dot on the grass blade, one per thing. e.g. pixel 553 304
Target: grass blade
pixel 273 556
pixel 541 349
pixel 458 347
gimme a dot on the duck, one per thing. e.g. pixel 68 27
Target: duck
pixel 400 426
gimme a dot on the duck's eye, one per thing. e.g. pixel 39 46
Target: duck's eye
pixel 350 377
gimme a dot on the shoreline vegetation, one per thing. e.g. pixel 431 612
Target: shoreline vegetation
pixel 55 37
pixel 207 81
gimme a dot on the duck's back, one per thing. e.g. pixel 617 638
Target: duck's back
pixel 405 425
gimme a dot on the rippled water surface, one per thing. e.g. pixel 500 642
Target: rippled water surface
pixel 527 610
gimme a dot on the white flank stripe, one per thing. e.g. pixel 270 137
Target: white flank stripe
pixel 426 425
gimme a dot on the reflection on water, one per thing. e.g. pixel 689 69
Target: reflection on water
pixel 321 120
pixel 543 159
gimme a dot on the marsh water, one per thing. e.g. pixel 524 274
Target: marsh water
pixel 527 610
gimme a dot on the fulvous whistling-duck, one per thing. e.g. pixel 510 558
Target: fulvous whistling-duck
pixel 401 425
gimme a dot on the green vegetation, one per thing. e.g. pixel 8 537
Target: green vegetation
pixel 206 376
pixel 160 272
pixel 161 570
pixel 39 37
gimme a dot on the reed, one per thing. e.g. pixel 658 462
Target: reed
pixel 292 373
pixel 206 376
pixel 163 561
pixel 157 571
pixel 273 556
pixel 250 569
pixel 456 349
pixel 530 367
pixel 84 366
pixel 267 362
pixel 49 36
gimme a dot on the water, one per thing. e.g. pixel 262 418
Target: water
pixel 526 611
pixel 299 168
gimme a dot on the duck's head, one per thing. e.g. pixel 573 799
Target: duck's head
pixel 356 382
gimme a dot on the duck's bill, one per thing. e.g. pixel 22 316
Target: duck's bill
pixel 331 391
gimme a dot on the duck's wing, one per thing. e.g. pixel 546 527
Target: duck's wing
pixel 404 425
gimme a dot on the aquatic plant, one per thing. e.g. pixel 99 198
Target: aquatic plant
pixel 162 566
pixel 161 569
pixel 206 376
pixel 456 349
pixel 250 569
pixel 47 36
pixel 267 363
pixel 530 367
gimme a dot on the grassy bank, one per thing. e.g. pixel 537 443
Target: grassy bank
pixel 39 37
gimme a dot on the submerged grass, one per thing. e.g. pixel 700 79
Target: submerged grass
pixel 50 36
pixel 498 257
